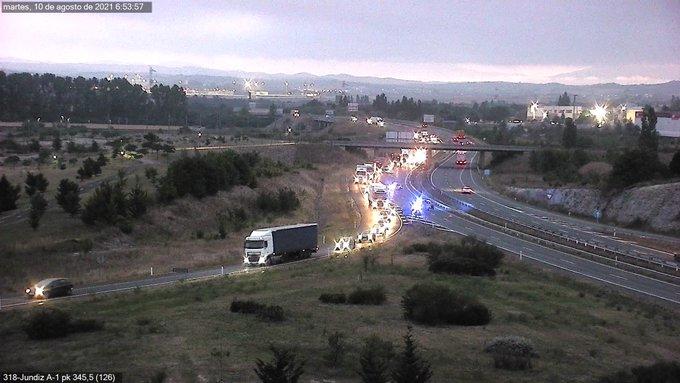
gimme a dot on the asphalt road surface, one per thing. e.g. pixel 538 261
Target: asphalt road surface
pixel 449 179
pixel 16 301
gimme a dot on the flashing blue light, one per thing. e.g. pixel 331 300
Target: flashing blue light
pixel 417 206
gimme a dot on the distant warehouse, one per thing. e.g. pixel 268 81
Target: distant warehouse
pixel 539 112
pixel 667 123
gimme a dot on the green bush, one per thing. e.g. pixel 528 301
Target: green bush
pixel 370 296
pixel 271 313
pixel 469 257
pixel 511 352
pixel 659 372
pixel 47 324
pixel 284 200
pixel 85 325
pixel 433 304
pixel 54 323
pixel 335 298
pixel 420 247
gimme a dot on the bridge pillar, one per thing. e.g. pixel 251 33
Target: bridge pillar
pixel 482 160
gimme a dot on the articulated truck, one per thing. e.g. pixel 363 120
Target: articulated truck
pixel 268 246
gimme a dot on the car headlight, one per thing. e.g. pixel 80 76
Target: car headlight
pixel 38 291
pixel 28 290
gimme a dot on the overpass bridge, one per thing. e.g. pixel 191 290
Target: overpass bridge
pixel 448 147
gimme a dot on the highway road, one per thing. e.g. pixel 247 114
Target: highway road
pixel 448 179
pixel 366 220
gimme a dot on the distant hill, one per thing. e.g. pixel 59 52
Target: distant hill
pixel 394 88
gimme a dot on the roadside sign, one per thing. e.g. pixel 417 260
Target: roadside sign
pixel 353 107
pixel 487 172
pixel 597 214
pixel 429 118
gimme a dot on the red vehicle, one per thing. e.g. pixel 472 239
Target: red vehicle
pixel 461 159
pixel 460 135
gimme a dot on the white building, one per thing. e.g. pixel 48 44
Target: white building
pixel 539 112
pixel 667 123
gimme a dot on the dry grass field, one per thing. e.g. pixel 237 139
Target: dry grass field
pixel 580 331
pixel 182 234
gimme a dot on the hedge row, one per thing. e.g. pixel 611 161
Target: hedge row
pixel 272 313
pixel 369 296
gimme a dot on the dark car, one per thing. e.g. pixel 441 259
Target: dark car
pixel 50 288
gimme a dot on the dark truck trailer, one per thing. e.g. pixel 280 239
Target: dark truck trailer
pixel 279 244
pixel 294 240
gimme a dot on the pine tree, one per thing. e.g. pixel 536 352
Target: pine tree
pixel 138 200
pixel 674 166
pixel 68 197
pixel 649 137
pixel 56 143
pixel 410 367
pixel 283 369
pixel 38 207
pixel 569 135
pixel 8 195
pixel 564 100
pixel 35 183
pixel 374 360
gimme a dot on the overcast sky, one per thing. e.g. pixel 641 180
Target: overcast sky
pixel 574 42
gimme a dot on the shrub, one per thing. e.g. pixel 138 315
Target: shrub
pixel 47 324
pixel 661 372
pixel 370 296
pixel 271 313
pixel 85 325
pixel 433 304
pixel 245 307
pixel 511 352
pixel 469 257
pixel 284 200
pixel 125 226
pixel 335 298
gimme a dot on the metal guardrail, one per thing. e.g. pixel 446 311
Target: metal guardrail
pixel 571 245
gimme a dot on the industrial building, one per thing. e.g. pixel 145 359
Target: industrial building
pixel 539 112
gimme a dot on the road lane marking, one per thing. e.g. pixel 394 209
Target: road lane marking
pixel 618 276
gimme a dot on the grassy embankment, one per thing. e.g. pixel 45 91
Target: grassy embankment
pixel 182 234
pixel 580 331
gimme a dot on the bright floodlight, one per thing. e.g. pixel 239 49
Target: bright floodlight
pixel 600 113
pixel 417 206
pixel 247 85
pixel 534 109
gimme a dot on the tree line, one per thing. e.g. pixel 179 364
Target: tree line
pixel 25 96
pixel 410 109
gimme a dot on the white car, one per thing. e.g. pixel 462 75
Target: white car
pixel 366 237
pixel 353 118
pixel 467 190
pixel 379 230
